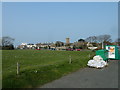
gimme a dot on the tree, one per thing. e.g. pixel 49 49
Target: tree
pixel 104 38
pixel 6 41
pixel 59 44
pixel 99 39
pixel 117 41
pixel 79 45
pixel 91 39
pixel 81 40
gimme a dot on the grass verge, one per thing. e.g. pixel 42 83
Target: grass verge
pixel 40 67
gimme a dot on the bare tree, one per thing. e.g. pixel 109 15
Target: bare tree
pixel 99 40
pixel 91 39
pixel 117 41
pixel 6 41
pixel 104 38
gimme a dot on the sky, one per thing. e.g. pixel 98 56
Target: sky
pixel 39 22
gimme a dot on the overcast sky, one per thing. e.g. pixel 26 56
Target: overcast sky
pixel 34 22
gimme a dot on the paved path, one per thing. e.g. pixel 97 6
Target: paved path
pixel 89 78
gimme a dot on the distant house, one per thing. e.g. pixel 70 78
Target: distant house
pixel 42 45
pixel 31 46
pixel 26 46
pixel 22 46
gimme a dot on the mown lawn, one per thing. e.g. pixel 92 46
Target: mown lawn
pixel 38 67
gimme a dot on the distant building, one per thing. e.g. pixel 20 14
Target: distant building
pixel 43 45
pixel 26 46
pixel 67 40
pixel 31 46
pixel 22 46
pixel 23 43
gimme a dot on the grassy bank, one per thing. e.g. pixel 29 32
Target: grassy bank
pixel 39 67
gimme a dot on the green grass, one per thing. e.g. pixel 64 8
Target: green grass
pixel 50 65
pixel 0 69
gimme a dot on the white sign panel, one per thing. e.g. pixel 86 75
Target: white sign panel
pixel 111 51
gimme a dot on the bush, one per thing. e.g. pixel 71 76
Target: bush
pixel 10 47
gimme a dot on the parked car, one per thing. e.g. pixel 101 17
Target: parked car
pixel 37 49
pixel 78 49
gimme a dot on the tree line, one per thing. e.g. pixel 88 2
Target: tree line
pixel 6 43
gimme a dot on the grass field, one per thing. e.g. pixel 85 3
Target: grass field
pixel 0 69
pixel 38 67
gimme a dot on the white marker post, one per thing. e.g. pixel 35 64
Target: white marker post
pixel 18 68
pixel 89 56
pixel 69 59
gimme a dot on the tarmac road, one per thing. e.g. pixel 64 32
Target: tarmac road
pixel 89 78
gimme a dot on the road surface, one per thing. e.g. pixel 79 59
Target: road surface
pixel 89 78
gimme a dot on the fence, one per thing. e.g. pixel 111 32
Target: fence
pixel 18 67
